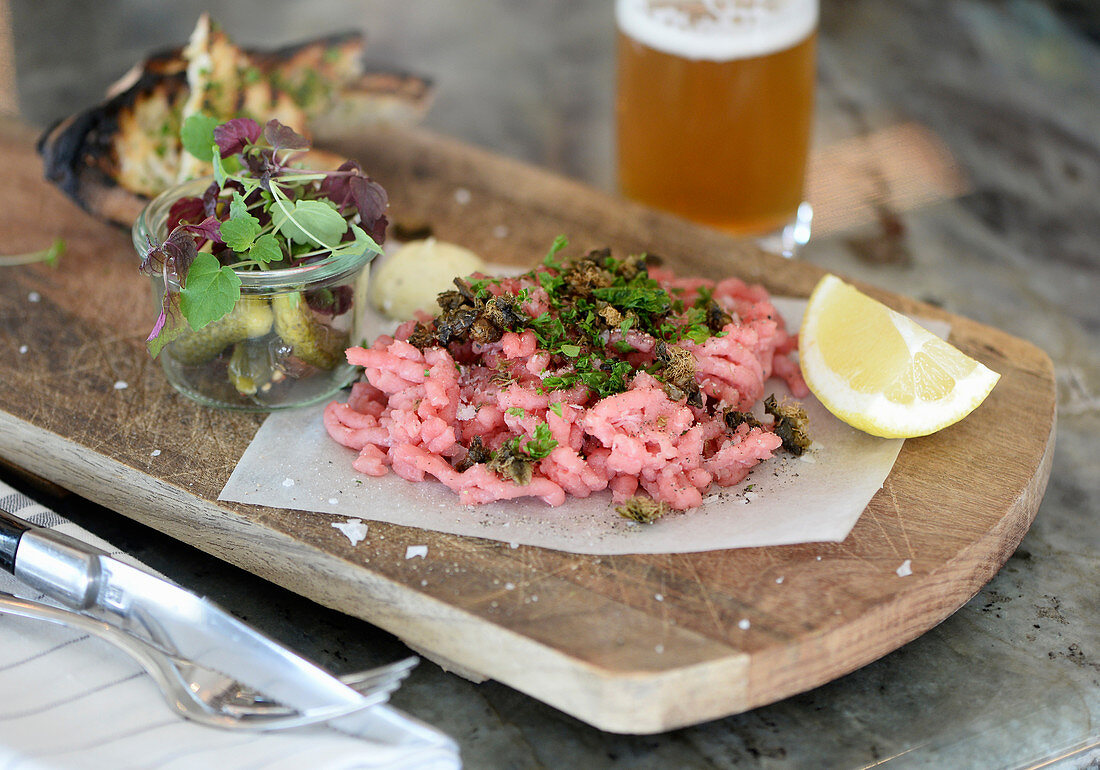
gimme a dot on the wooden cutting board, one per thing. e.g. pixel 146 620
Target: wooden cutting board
pixel 632 644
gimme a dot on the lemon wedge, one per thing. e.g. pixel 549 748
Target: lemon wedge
pixel 879 371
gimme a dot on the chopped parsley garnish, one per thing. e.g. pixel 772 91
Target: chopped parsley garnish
pixel 516 458
pixel 591 299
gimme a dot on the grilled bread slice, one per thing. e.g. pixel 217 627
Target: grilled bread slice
pixel 113 157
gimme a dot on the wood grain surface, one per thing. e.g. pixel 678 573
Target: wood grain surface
pixel 633 644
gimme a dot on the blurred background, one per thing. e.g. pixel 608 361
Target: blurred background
pixel 992 102
pixel 956 159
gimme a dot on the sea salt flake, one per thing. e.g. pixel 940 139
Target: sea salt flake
pixel 23 348
pixel 509 586
pixel 416 550
pixel 659 597
pixel 288 482
pixel 513 545
pixel 121 385
pixel 905 569
pixel 355 529
pixel 743 624
pixel 779 580
pixel 34 297
pixel 659 649
pixel 333 501
pixel 155 453
pixel 462 196
pixel 500 231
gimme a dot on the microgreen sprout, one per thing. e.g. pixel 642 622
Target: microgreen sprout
pixel 49 255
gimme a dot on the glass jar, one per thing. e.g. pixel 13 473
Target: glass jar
pixel 283 344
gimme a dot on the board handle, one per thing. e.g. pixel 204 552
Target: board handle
pixel 11 530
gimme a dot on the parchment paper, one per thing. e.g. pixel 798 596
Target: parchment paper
pixel 292 463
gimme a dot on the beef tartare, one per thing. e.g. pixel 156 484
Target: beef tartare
pixel 581 375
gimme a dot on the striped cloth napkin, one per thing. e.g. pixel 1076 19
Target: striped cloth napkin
pixel 69 700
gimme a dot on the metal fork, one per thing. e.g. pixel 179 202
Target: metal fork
pixel 209 697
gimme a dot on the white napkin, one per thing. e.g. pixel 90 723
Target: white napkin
pixel 69 700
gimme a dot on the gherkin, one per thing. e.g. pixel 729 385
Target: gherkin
pixel 250 317
pixel 312 341
pixel 251 366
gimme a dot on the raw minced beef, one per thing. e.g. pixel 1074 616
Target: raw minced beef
pixel 576 377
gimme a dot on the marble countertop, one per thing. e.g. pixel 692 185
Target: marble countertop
pixel 1000 101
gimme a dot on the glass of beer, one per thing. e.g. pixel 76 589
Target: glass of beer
pixel 714 111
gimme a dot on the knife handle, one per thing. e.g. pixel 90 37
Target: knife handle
pixel 11 530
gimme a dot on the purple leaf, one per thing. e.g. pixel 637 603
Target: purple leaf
pixel 336 186
pixel 209 228
pixel 261 166
pixel 157 326
pixel 176 253
pixel 348 186
pixel 282 137
pixel 210 199
pixel 236 134
pixel 185 210
pixel 170 324
pixel 371 200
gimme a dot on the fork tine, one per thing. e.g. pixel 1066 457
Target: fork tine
pixel 364 682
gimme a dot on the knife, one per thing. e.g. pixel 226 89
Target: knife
pixel 176 621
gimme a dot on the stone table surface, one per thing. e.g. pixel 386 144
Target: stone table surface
pixel 993 108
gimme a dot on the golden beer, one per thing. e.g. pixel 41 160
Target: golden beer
pixel 714 122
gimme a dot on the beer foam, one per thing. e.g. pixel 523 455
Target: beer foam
pixel 717 30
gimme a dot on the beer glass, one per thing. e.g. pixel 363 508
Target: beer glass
pixel 714 108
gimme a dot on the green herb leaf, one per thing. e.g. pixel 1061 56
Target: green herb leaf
pixel 556 408
pixel 651 299
pixel 560 382
pixel 238 208
pixel 309 221
pixel 541 444
pixel 220 172
pixel 240 230
pixel 559 243
pixel 363 243
pixel 210 291
pixel 266 249
pixel 197 136
pixel 697 334
pixel 516 411
pixel 571 350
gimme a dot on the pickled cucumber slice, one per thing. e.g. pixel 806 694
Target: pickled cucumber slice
pixel 251 366
pixel 251 317
pixel 314 342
